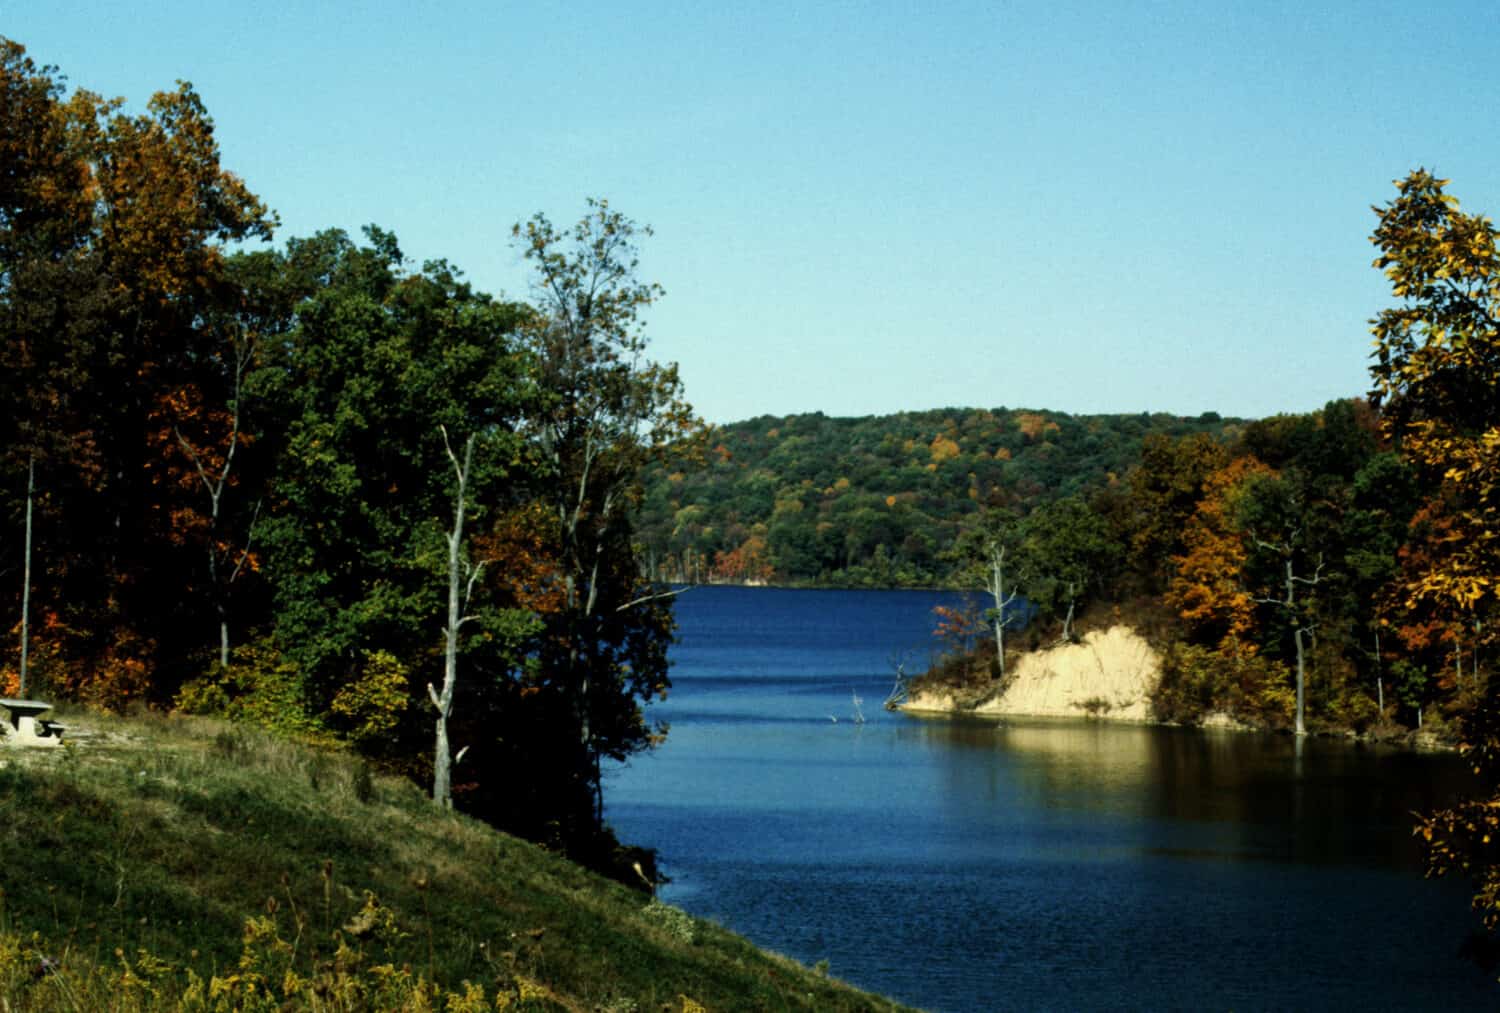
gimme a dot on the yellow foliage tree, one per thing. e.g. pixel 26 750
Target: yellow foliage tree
pixel 942 449
pixel 1437 369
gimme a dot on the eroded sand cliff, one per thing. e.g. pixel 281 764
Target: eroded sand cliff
pixel 1109 674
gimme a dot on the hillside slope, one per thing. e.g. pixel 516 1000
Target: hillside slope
pixel 175 863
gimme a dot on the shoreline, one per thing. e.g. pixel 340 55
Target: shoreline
pixel 1218 723
pixel 1109 676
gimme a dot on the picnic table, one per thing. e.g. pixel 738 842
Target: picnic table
pixel 23 724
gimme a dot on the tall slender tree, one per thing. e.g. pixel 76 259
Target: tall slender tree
pixel 462 574
pixel 1436 370
pixel 607 411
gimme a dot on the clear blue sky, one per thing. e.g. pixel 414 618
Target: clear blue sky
pixel 868 208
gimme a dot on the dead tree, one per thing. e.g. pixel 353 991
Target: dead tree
pixel 899 692
pixel 1294 617
pixel 214 484
pixel 458 601
pixel 26 576
pixel 995 585
pixel 1067 636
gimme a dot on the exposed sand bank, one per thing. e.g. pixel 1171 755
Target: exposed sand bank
pixel 1110 674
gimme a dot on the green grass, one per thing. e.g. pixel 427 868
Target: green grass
pixel 166 858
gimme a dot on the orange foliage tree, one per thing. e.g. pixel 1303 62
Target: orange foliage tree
pixel 750 562
pixel 1207 589
pixel 112 229
pixel 1163 492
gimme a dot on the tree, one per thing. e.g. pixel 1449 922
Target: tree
pixel 381 359
pixel 45 218
pixel 607 412
pixel 461 573
pixel 213 466
pixel 1163 492
pixel 1069 552
pixel 1384 498
pixel 1208 586
pixel 1437 369
pixel 112 229
pixel 987 547
pixel 1273 511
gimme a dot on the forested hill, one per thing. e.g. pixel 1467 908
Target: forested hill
pixel 875 501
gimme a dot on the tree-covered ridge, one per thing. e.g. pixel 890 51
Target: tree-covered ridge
pixel 880 500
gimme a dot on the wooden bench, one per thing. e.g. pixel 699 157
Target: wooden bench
pixel 23 724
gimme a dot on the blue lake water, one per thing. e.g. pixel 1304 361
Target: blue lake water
pixel 965 865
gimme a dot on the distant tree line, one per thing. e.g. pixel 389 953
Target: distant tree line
pixel 879 501
pixel 318 486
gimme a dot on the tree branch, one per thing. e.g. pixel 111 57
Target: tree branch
pixel 652 597
pixel 1315 578
pixel 249 540
pixel 198 464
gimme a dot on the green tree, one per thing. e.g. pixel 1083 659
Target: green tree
pixel 380 360
pixel 606 413
pixel 987 554
pixel 1070 556
pixel 1273 510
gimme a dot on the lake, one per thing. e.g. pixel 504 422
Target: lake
pixel 968 865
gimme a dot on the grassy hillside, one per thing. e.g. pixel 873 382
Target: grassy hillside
pixel 875 501
pixel 170 863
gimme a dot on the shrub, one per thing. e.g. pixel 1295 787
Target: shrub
pixel 1190 683
pixel 372 706
pixel 674 921
pixel 259 687
pixel 1095 706
pixel 1197 681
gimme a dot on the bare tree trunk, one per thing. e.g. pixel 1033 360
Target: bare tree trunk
pixel 997 591
pixel 215 485
pixel 898 694
pixel 1379 678
pixel 997 586
pixel 1297 636
pixel 1294 621
pixel 26 577
pixel 442 757
pixel 1301 681
pixel 1067 633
